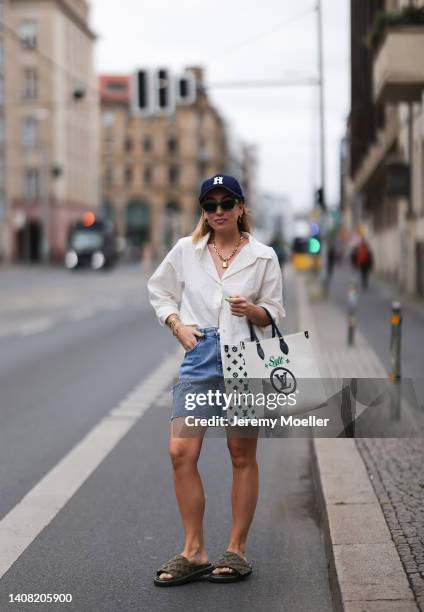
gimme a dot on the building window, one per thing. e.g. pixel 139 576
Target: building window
pixel 1 52
pixel 147 144
pixel 1 14
pixel 109 176
pixel 2 173
pixel 28 34
pixel 29 133
pixel 108 210
pixel 202 166
pixel 172 144
pixel 128 175
pixel 128 144
pixel 2 130
pixel 1 91
pixel 116 87
pixel 147 175
pixel 2 205
pixel 173 174
pixel 108 143
pixel 31 183
pixel 30 84
pixel 108 118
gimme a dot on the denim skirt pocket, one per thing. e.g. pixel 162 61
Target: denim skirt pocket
pixel 194 348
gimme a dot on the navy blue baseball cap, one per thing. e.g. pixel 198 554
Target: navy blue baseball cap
pixel 222 181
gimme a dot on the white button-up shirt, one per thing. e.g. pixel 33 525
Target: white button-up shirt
pixel 187 283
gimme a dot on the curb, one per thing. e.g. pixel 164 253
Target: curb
pixel 365 570
pixel 331 563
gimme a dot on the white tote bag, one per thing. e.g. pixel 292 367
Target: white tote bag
pixel 287 368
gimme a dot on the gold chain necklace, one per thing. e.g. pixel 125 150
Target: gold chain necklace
pixel 225 260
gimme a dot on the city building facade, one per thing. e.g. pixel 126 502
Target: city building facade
pixel 152 166
pixel 4 7
pixel 52 110
pixel 383 190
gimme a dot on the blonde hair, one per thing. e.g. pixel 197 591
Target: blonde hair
pixel 203 228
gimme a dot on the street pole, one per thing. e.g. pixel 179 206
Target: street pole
pixel 395 358
pixel 42 114
pixel 45 250
pixel 323 168
pixel 321 99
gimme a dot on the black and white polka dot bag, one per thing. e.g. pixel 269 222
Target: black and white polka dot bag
pixel 237 385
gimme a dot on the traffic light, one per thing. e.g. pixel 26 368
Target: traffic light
pixel 165 92
pixel 186 88
pixel 142 99
pixel 320 198
pixel 314 245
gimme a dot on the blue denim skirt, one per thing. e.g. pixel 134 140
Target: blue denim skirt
pixel 200 373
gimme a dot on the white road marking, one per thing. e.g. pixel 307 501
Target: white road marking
pixel 35 327
pixel 38 508
pixel 25 328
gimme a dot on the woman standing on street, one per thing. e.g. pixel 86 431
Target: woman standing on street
pixel 206 290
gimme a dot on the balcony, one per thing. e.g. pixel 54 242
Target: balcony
pixel 398 70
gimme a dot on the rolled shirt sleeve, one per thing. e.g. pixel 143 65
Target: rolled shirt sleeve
pixel 165 286
pixel 271 291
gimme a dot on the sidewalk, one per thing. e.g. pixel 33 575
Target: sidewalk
pixel 392 289
pixel 366 570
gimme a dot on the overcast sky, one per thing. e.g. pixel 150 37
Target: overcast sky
pixel 244 40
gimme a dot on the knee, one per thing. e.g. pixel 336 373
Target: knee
pixel 182 457
pixel 240 457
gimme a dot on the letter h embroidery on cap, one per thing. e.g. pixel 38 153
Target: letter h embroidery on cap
pixel 218 180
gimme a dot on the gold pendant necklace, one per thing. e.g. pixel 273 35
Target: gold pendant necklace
pixel 225 260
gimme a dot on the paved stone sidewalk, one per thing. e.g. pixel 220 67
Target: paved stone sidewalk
pixel 396 467
pixel 393 466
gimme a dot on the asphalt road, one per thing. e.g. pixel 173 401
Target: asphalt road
pixel 57 382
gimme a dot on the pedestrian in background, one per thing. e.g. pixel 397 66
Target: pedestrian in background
pixel 362 259
pixel 206 289
pixel 331 260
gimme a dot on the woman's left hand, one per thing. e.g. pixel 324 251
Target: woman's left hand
pixel 240 306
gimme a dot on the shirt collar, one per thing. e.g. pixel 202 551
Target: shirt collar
pixel 256 248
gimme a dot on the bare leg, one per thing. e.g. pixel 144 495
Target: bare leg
pixel 184 453
pixel 244 494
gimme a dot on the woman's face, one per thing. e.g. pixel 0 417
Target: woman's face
pixel 223 220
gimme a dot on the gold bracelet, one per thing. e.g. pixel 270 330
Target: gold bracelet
pixel 176 328
pixel 174 325
pixel 172 320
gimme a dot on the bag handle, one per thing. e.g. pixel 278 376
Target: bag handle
pixel 275 331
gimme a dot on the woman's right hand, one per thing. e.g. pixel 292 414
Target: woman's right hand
pixel 187 335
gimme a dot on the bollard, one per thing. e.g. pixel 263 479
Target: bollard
pixel 395 359
pixel 395 341
pixel 352 302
